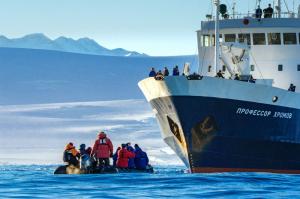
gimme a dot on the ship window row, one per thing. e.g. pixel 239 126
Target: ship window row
pixel 274 38
pixel 252 68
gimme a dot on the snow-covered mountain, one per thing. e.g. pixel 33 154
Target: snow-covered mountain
pixel 83 45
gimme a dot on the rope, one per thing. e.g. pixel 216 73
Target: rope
pixel 261 75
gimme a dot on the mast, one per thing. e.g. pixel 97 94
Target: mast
pixel 279 8
pixel 217 36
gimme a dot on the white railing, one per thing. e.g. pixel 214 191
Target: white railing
pixel 252 15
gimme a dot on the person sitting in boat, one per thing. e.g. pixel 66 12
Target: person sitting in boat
pixel 141 158
pixel 220 74
pixel 123 157
pixel 292 88
pixel 102 150
pixel 115 157
pixel 71 155
pixel 83 150
pixel 176 71
pixel 85 159
pixel 131 164
pixel 152 73
pixel 89 150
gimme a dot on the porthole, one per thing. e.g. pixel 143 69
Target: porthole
pixel 209 69
pixel 275 99
pixel 224 68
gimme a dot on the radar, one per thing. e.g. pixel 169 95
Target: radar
pixel 223 11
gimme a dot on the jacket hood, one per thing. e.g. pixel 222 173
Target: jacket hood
pixel 130 148
pixel 101 135
pixel 69 146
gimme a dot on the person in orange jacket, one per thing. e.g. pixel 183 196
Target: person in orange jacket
pixel 71 155
pixel 123 157
pixel 102 149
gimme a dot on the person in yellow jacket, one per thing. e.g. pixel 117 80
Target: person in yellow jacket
pixel 71 155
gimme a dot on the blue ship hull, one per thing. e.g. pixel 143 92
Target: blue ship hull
pixel 225 135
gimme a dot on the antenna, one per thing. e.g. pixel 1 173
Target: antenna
pixel 233 9
pixel 217 36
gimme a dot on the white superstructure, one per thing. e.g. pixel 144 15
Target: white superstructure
pixel 274 47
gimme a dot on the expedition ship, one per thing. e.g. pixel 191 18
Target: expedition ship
pixel 225 125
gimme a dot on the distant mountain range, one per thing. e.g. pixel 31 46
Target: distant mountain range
pixel 30 76
pixel 64 44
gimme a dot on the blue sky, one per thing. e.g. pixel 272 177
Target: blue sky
pixel 155 27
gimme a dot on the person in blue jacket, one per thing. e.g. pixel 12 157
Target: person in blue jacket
pixel 176 71
pixel 115 157
pixel 152 73
pixel 141 159
pixel 131 164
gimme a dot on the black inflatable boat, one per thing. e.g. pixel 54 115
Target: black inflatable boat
pixel 70 169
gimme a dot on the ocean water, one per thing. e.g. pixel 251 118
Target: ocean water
pixel 167 182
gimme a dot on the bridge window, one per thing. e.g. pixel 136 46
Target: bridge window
pixel 274 39
pixel 289 38
pixel 230 38
pixel 252 68
pixel 280 67
pixel 244 38
pixel 213 39
pixel 298 67
pixel 259 39
pixel 205 40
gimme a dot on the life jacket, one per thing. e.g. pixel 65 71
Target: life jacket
pixel 103 141
pixel 70 158
pixel 103 147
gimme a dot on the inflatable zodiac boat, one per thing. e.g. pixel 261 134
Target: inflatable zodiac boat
pixel 70 169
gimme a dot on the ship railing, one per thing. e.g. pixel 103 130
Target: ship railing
pixel 252 15
pixel 193 76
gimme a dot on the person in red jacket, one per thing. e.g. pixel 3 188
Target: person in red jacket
pixel 102 149
pixel 123 157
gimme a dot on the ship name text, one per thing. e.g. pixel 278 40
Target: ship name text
pixel 264 113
